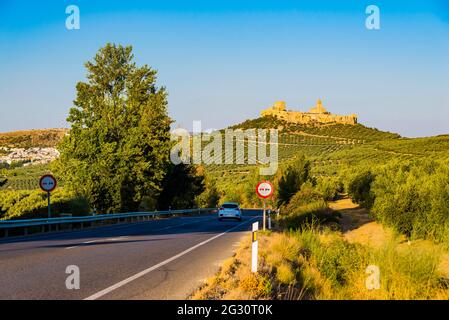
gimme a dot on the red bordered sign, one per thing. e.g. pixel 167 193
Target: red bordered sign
pixel 48 183
pixel 264 189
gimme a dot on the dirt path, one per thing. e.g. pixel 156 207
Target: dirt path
pixel 359 227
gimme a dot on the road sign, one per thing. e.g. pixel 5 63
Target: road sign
pixel 48 183
pixel 264 189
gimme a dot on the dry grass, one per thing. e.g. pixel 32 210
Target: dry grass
pixel 312 264
pixel 319 263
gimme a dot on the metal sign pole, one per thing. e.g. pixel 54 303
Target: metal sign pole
pixel 49 204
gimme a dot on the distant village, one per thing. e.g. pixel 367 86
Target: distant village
pixel 30 156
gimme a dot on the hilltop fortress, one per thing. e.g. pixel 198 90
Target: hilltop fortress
pixel 317 114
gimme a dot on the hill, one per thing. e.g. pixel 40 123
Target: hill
pixel 332 148
pixel 316 141
pixel 41 138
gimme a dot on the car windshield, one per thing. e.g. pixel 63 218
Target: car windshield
pixel 229 206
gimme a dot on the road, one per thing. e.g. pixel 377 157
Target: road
pixel 159 259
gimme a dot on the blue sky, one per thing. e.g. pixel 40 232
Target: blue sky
pixel 223 61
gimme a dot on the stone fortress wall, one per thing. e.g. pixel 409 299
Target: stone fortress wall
pixel 317 114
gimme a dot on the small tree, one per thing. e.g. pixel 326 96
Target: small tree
pixel 360 189
pixel 180 187
pixel 292 178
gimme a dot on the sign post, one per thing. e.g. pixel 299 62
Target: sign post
pixel 48 183
pixel 264 190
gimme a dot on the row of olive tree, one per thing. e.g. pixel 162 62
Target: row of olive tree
pixel 410 196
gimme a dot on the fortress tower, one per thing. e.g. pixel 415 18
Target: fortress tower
pixel 317 114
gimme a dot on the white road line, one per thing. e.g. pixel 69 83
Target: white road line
pixel 99 240
pixel 146 271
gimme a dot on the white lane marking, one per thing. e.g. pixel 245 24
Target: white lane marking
pixel 148 270
pixel 99 240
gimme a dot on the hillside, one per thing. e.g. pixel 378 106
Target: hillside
pixel 41 138
pixel 347 132
pixel 316 141
pixel 333 149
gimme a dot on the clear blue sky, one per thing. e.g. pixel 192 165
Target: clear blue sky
pixel 223 61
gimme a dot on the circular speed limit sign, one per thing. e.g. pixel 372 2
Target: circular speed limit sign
pixel 48 183
pixel 264 189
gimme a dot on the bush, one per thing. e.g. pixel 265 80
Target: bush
pixel 33 204
pixel 413 198
pixel 291 180
pixel 360 189
pixel 329 188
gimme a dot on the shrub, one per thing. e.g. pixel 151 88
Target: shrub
pixel 285 274
pixel 360 189
pixel 329 188
pixel 413 198
pixel 291 180
pixel 33 204
pixel 313 213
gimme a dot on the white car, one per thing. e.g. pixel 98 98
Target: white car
pixel 230 210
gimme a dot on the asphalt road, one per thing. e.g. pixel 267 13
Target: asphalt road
pixel 159 259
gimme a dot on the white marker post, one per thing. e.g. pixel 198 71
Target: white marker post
pixel 254 247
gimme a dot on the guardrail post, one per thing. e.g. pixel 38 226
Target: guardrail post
pixel 6 233
pixel 25 231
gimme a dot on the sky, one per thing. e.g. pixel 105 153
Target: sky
pixel 222 62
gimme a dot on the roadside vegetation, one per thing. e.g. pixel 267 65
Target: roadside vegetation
pixel 308 254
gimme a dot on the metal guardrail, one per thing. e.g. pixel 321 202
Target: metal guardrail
pixel 131 216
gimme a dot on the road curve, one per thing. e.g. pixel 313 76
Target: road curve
pixel 159 259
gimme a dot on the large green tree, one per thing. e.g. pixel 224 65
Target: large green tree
pixel 117 151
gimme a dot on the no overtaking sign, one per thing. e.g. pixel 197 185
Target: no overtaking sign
pixel 264 189
pixel 48 183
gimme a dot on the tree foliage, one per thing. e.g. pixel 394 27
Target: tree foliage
pixel 360 189
pixel 118 147
pixel 292 178
pixel 180 187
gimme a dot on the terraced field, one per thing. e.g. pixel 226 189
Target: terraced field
pixel 334 148
pixel 25 178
